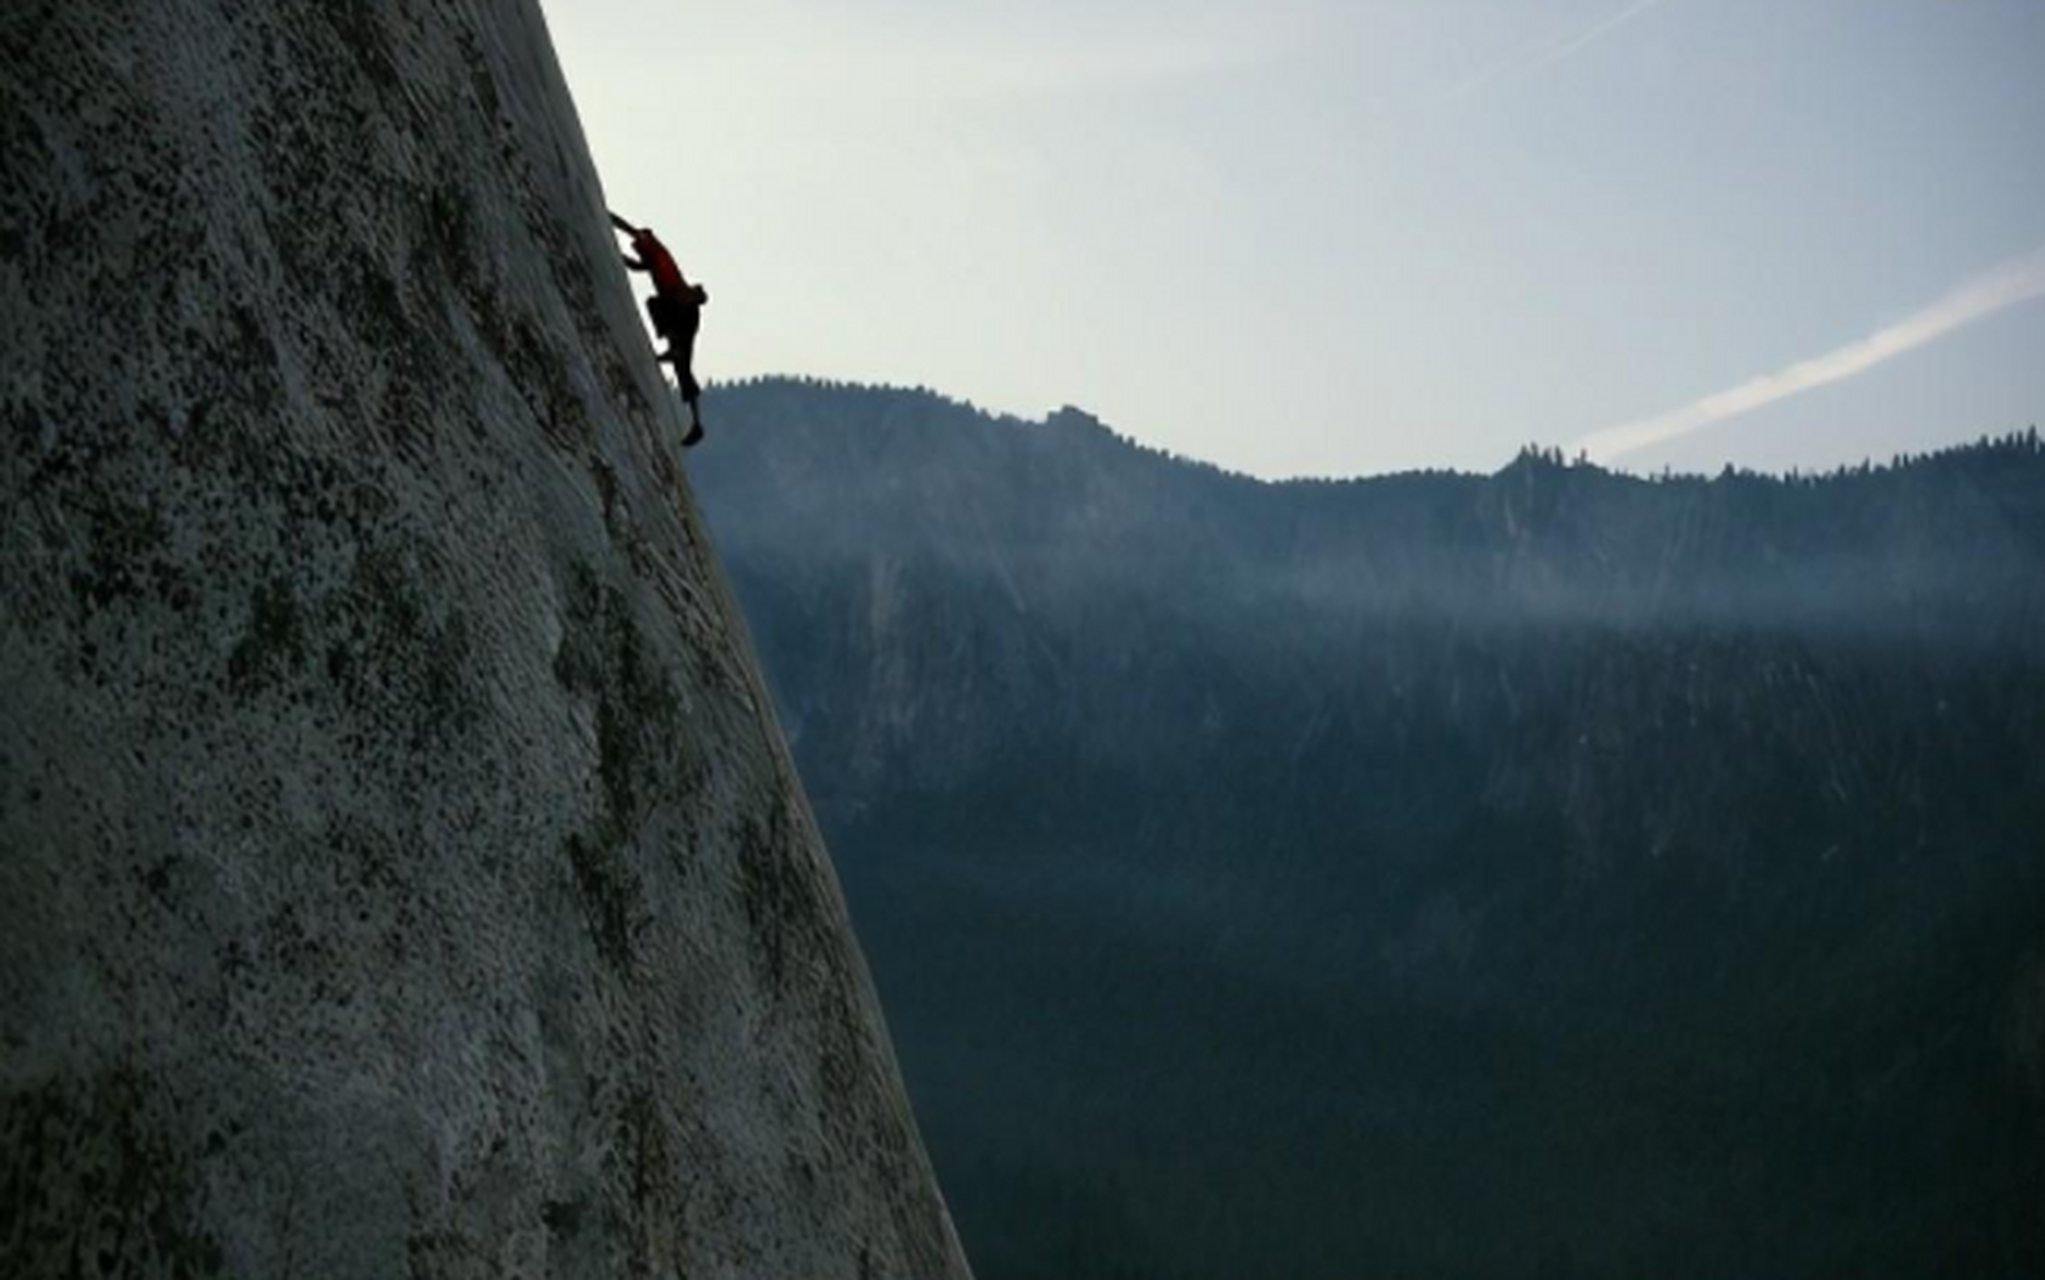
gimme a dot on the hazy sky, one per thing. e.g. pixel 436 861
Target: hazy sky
pixel 1347 236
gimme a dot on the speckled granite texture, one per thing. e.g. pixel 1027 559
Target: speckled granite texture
pixel 401 873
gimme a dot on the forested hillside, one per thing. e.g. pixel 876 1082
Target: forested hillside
pixel 1552 873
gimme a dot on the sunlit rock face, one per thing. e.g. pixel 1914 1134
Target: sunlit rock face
pixel 401 872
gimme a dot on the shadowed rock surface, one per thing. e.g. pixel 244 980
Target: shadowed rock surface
pixel 401 872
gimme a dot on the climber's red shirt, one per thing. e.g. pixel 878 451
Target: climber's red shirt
pixel 667 277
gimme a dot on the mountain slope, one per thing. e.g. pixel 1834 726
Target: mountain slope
pixel 401 872
pixel 1543 873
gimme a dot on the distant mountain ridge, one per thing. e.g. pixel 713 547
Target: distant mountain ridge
pixel 1544 873
pixel 1070 477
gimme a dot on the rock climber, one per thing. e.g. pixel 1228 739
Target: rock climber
pixel 676 309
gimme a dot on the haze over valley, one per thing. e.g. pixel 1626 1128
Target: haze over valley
pixel 1549 873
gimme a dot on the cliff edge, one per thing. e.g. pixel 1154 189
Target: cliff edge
pixel 401 872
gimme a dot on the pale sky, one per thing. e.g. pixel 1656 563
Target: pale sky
pixel 1343 237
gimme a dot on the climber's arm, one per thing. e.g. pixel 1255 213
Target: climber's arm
pixel 636 264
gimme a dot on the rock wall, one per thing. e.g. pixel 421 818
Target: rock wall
pixel 401 872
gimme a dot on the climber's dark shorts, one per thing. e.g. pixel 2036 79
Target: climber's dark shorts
pixel 672 319
pixel 663 314
pixel 677 324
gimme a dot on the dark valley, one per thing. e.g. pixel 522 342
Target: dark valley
pixel 1551 873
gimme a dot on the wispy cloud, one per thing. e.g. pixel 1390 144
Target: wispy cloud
pixel 1536 58
pixel 2016 281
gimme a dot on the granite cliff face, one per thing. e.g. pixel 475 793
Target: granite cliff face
pixel 401 872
